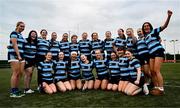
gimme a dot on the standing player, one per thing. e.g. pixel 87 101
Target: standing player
pixel 45 69
pixel 131 41
pixel 86 68
pixel 100 65
pixel 74 71
pixel 114 72
pixel 85 46
pixel 60 74
pixel 97 44
pixel 108 44
pixel 64 46
pixel 156 52
pixel 30 49
pixel 120 41
pixel 42 46
pixel 16 59
pixel 54 46
pixel 74 46
pixel 143 57
pixel 136 76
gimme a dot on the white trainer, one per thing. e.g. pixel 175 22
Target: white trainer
pixel 145 89
pixel 29 91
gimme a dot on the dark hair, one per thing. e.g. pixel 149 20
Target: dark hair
pixel 74 36
pixel 121 48
pixel 130 50
pixel 29 37
pixel 18 23
pixel 93 34
pixel 151 27
pixel 123 36
pixel 43 30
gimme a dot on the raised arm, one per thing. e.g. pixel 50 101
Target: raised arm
pixel 169 12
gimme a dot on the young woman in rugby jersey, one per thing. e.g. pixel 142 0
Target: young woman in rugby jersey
pixel 156 52
pixel 124 73
pixel 74 46
pixel 85 46
pixel 114 72
pixel 86 68
pixel 64 46
pixel 100 65
pixel 120 41
pixel 131 41
pixel 60 74
pixel 74 74
pixel 45 69
pixel 16 58
pixel 136 76
pixel 30 49
pixel 96 43
pixel 54 46
pixel 108 44
pixel 143 57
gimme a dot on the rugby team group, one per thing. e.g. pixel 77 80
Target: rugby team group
pixel 124 64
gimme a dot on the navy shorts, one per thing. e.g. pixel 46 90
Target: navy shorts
pixel 141 82
pixel 74 78
pixel 158 53
pixel 29 63
pixel 125 78
pixel 144 59
pixel 101 77
pixel 114 80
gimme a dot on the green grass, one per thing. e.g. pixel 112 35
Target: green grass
pixel 94 98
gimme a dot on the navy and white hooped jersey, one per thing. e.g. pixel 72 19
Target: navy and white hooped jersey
pixel 101 67
pixel 114 68
pixel 152 41
pixel 85 47
pixel 87 70
pixel 74 47
pixel 133 65
pixel 124 64
pixel 60 70
pixel 45 71
pixel 108 46
pixel 132 45
pixel 74 68
pixel 142 48
pixel 64 47
pixel 20 43
pixel 54 47
pixel 119 42
pixel 42 46
pixel 30 50
pixel 97 44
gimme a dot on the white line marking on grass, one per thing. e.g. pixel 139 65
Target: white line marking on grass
pixel 172 86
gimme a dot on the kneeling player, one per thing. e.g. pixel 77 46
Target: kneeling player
pixel 101 68
pixel 86 67
pixel 74 71
pixel 45 69
pixel 60 74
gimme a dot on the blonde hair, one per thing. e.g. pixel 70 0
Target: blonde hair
pixel 18 23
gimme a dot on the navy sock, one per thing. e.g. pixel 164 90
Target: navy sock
pixel 14 90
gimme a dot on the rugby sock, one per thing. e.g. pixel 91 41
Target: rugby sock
pixel 14 90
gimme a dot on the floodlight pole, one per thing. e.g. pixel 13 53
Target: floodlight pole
pixel 174 41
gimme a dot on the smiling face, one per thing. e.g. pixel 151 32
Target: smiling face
pixel 128 54
pixel 83 58
pixel 129 32
pixel 61 56
pixel 84 36
pixel 98 54
pixel 20 27
pixel 54 36
pixel 120 32
pixel 113 56
pixel 95 36
pixel 43 34
pixel 65 37
pixel 33 35
pixel 108 35
pixel 73 55
pixel 74 39
pixel 147 28
pixel 48 56
pixel 140 32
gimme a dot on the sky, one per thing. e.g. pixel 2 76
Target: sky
pixel 78 16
